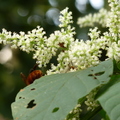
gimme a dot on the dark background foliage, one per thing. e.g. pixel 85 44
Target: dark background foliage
pixel 25 15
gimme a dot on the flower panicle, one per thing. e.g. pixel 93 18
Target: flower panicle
pixel 91 19
pixel 65 18
pixel 73 54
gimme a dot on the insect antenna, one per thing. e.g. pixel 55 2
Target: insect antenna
pixel 23 77
pixel 34 67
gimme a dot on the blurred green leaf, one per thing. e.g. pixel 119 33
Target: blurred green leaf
pixel 110 100
pixel 53 97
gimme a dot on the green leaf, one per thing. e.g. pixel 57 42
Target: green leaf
pixel 110 100
pixel 53 97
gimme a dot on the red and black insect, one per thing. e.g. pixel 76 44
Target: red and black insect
pixel 33 75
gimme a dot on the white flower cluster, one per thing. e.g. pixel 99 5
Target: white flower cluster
pixel 80 54
pixel 83 54
pixel 73 54
pixel 111 20
pixel 26 42
pixel 113 36
pixel 91 102
pixel 96 18
pixel 75 113
pixel 114 51
pixel 65 18
pixel 43 48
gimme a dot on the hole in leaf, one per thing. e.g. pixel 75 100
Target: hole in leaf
pixel 33 89
pixel 21 98
pixel 97 74
pixel 91 75
pixel 31 104
pixel 103 54
pixel 110 75
pixel 55 109
pixel 95 78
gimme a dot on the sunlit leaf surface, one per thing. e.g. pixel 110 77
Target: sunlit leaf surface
pixel 110 101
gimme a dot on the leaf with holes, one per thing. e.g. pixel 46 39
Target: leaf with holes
pixel 53 97
pixel 110 100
